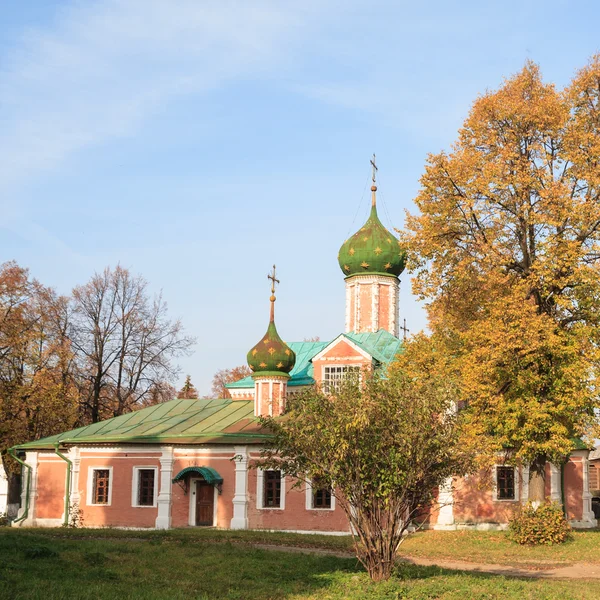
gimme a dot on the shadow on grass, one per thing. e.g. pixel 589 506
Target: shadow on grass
pixel 35 565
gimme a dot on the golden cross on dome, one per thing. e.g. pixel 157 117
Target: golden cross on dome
pixel 375 169
pixel 273 279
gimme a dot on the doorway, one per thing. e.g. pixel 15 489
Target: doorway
pixel 204 504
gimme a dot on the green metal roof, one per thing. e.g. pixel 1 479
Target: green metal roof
pixel 210 475
pixel 381 345
pixel 175 422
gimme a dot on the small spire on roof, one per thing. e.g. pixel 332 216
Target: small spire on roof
pixel 373 187
pixel 274 280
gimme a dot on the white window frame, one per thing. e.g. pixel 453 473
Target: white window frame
pixel 517 484
pixel 135 480
pixel 336 382
pixel 90 485
pixel 310 498
pixel 260 480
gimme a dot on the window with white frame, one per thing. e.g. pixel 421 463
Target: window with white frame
pixel 319 496
pixel 144 486
pixel 99 487
pixel 334 375
pixel 270 489
pixel 506 480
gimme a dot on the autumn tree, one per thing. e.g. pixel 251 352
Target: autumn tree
pixel 224 376
pixel 506 251
pixel 382 446
pixel 124 342
pixel 38 392
pixel 188 391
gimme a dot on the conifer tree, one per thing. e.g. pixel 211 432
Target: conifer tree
pixel 188 391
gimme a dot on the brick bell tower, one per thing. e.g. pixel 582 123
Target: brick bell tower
pixel 372 262
pixel 271 361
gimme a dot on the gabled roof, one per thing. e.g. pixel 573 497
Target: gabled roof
pixel 175 422
pixel 381 345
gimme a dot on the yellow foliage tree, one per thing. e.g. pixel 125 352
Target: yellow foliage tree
pixel 506 252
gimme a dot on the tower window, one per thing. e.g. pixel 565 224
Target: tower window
pixel 333 376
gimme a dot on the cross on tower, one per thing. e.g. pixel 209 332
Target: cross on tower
pixel 375 169
pixel 404 330
pixel 273 279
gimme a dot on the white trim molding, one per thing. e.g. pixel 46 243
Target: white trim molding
pixel 446 505
pixel 90 485
pixel 135 481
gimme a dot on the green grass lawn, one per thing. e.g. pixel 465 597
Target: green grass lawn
pixel 107 564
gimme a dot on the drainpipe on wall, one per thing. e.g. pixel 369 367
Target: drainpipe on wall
pixel 68 483
pixel 12 453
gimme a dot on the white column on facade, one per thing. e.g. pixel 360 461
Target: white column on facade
pixel 271 398
pixel 356 307
pixel 163 520
pixel 586 496
pixel 524 484
pixel 394 307
pixel 375 307
pixel 446 504
pixel 75 458
pixel 555 495
pixel 348 303
pixel 240 498
pixel 3 490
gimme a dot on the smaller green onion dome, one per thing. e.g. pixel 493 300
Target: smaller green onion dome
pixel 271 356
pixel 372 249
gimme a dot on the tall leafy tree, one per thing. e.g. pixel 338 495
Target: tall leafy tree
pixel 506 250
pixel 224 376
pixel 124 343
pixel 38 391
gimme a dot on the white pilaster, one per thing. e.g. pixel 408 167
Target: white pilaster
pixel 394 315
pixel 356 307
pixel 524 484
pixel 586 496
pixel 348 302
pixel 375 308
pixel 555 495
pixel 446 504
pixel 3 490
pixel 240 498
pixel 163 520
pixel 75 458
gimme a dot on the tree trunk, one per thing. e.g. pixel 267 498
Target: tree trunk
pixel 537 480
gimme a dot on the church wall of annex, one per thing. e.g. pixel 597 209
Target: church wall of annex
pixel 120 512
pixel 295 516
pixel 51 479
pixel 182 497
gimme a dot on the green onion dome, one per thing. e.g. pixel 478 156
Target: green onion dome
pixel 271 356
pixel 372 249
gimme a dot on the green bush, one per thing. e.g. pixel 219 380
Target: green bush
pixel 543 525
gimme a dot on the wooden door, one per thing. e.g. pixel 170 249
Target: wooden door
pixel 205 503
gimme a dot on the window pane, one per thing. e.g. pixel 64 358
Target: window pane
pixel 272 489
pixel 505 483
pixel 333 376
pixel 100 489
pixel 321 496
pixel 146 487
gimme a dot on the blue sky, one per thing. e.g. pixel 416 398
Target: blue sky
pixel 198 142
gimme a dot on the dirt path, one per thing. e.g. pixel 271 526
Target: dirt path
pixel 572 571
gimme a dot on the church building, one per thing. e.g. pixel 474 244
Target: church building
pixel 185 463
